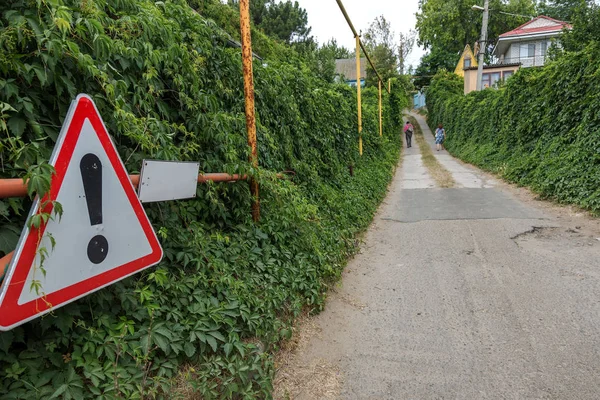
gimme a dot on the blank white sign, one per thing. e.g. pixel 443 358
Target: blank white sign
pixel 167 180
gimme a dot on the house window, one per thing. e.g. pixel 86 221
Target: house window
pixel 545 46
pixel 467 63
pixel 490 79
pixel 527 50
pixel 507 74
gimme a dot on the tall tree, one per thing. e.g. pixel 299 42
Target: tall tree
pixel 430 64
pixel 406 42
pixel 586 28
pixel 387 54
pixel 565 10
pixel 285 21
pixel 451 24
pixel 446 26
pixel 321 59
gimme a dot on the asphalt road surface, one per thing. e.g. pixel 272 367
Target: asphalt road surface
pixel 472 292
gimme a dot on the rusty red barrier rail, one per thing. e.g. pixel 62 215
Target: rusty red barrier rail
pixel 16 187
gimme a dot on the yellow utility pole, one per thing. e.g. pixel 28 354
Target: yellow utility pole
pixel 360 145
pixel 380 118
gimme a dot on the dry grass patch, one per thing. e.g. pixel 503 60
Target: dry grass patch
pixel 294 379
pixel 441 175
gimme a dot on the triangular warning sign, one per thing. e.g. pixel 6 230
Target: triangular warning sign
pixel 103 236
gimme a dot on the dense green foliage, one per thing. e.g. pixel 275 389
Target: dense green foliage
pixel 542 129
pixel 564 10
pixel 431 63
pixel 586 28
pixel 380 42
pixel 210 315
pixel 387 51
pixel 451 24
pixel 446 26
pixel 281 20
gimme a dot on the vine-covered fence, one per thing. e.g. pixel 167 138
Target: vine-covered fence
pixel 208 318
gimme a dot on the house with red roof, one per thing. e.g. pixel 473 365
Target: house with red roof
pixel 525 46
pixel 528 44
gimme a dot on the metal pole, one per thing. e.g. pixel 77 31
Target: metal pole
pixel 360 146
pixel 390 85
pixel 16 187
pixel 380 118
pixel 249 97
pixel 482 42
pixel 4 261
pixel 343 10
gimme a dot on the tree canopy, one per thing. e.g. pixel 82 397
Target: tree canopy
pixel 387 52
pixel 321 59
pixel 285 21
pixel 446 26
pixel 451 24
pixel 565 10
pixel 586 28
pixel 430 63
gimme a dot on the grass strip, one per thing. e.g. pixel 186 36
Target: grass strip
pixel 441 175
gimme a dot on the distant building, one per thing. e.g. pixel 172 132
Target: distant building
pixel 467 60
pixel 525 46
pixel 528 44
pixel 345 68
pixel 419 100
pixel 492 74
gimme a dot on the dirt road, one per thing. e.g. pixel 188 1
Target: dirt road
pixel 473 292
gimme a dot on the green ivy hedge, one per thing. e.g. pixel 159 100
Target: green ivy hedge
pixel 210 316
pixel 541 129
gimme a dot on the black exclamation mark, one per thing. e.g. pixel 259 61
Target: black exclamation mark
pixel 91 174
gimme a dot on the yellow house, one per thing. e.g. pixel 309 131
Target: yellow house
pixel 467 60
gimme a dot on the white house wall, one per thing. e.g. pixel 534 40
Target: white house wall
pixel 514 52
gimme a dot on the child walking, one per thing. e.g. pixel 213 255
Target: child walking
pixel 440 136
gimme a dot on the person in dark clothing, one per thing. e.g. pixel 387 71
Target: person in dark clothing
pixel 408 132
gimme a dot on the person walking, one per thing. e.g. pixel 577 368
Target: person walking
pixel 408 132
pixel 440 136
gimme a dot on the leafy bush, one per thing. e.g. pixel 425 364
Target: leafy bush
pixel 541 129
pixel 210 315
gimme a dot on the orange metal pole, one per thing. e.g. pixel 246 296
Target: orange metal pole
pixel 358 99
pixel 12 188
pixel 4 264
pixel 17 188
pixel 249 99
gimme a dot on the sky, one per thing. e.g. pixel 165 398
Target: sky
pixel 327 21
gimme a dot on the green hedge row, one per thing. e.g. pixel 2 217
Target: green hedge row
pixel 208 318
pixel 541 129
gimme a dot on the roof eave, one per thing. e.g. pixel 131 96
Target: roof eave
pixel 504 42
pixel 547 33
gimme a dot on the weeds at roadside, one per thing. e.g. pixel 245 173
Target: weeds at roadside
pixel 319 379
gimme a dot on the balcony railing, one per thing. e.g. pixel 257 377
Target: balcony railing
pixel 535 61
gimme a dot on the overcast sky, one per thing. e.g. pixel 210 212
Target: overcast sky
pixel 327 21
